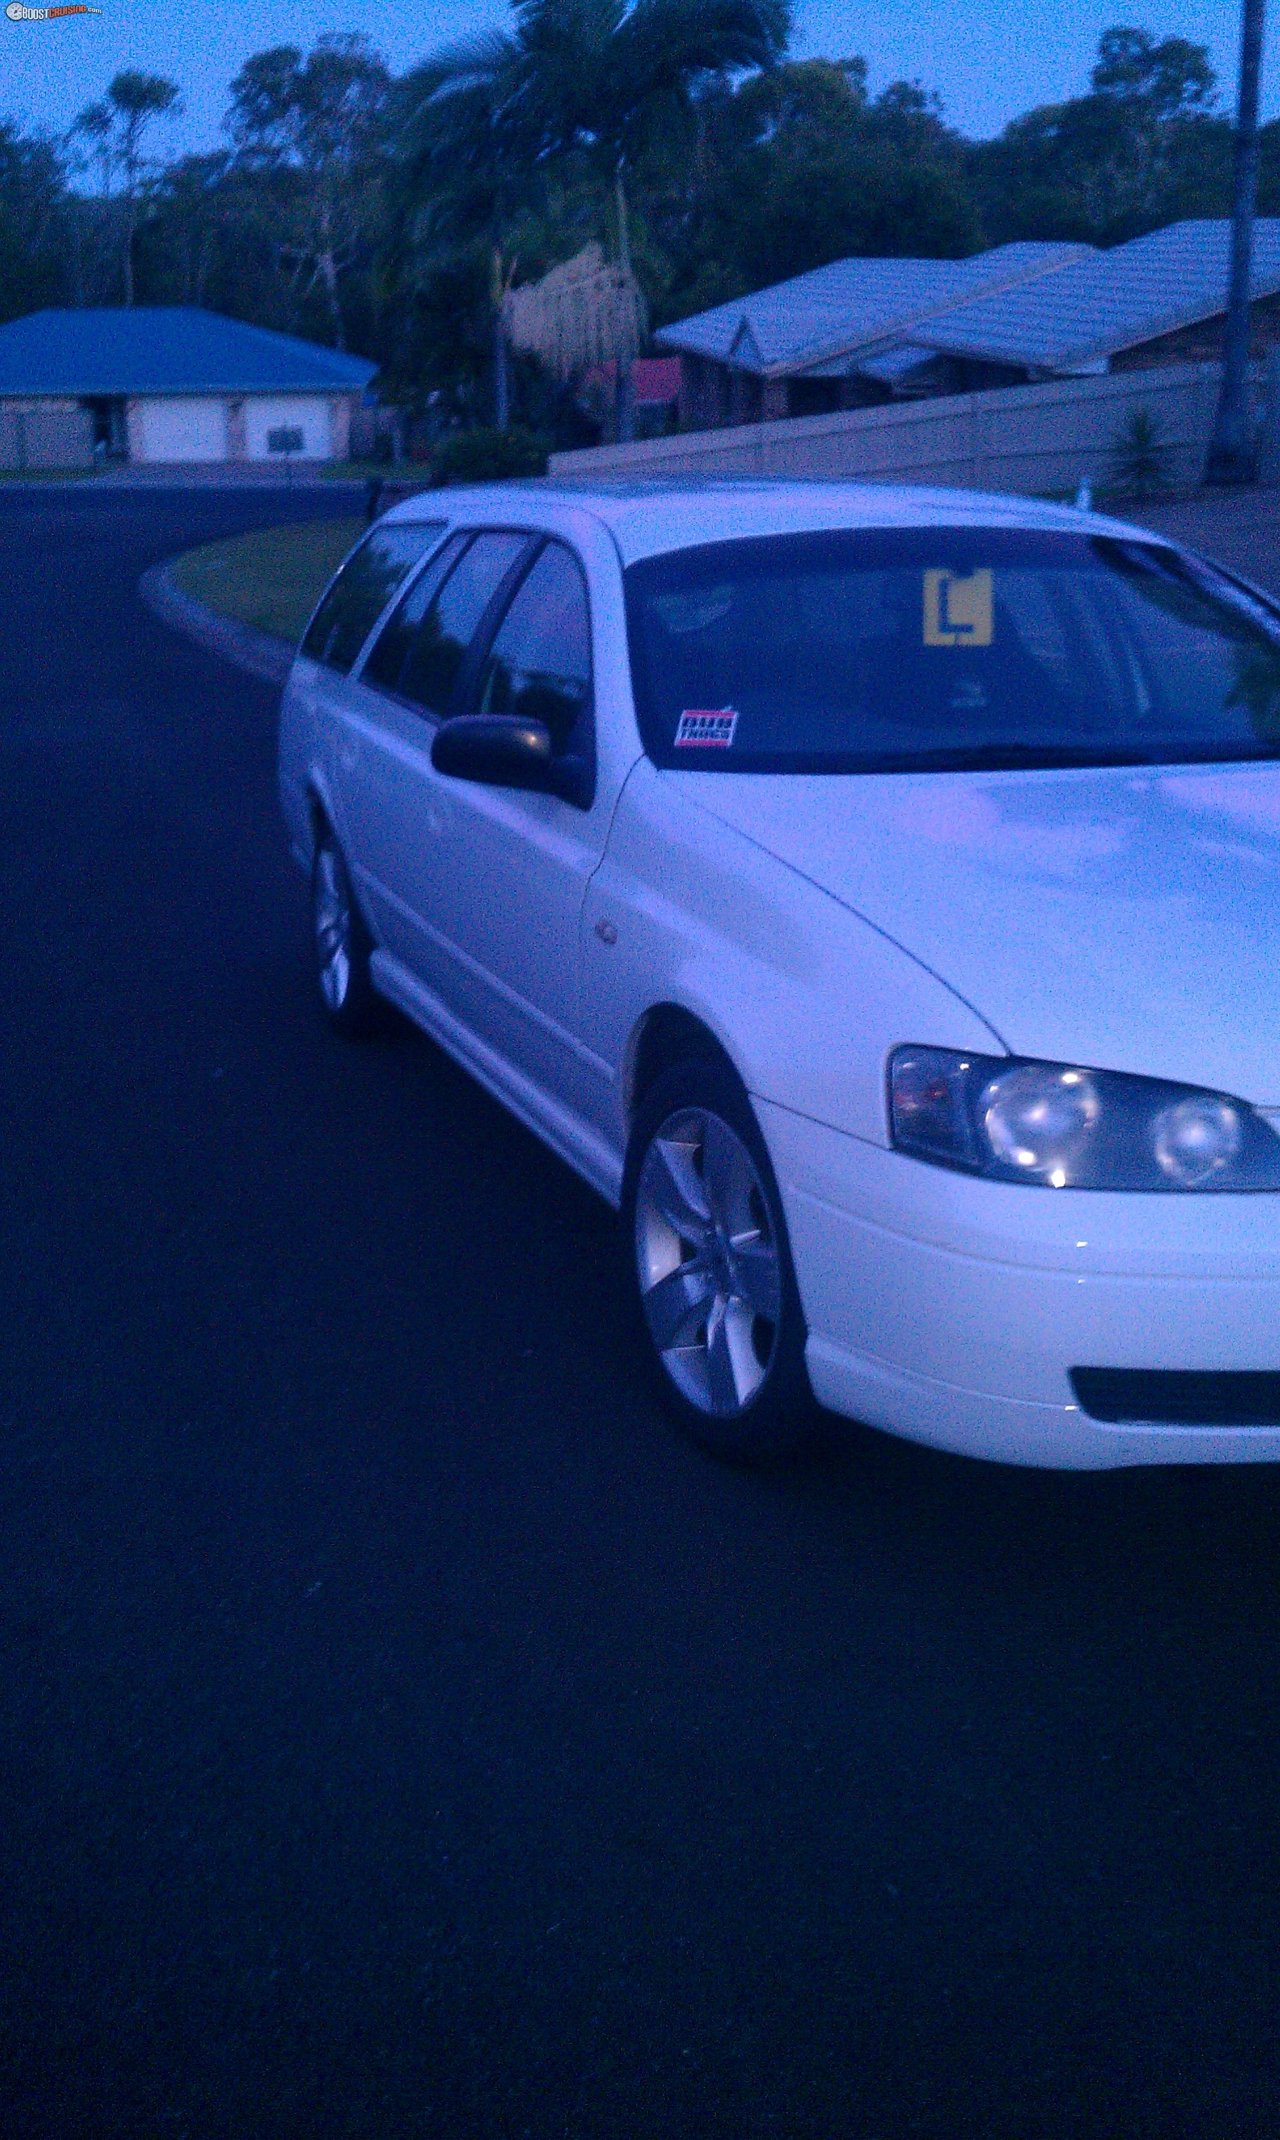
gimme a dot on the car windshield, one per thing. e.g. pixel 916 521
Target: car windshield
pixel 942 649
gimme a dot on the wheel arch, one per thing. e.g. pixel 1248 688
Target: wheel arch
pixel 320 813
pixel 665 1034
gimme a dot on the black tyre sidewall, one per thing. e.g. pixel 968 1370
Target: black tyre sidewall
pixel 782 1416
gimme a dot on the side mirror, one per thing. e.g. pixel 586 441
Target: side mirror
pixel 494 749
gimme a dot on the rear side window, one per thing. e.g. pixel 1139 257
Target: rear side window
pixel 387 654
pixel 364 586
pixel 432 665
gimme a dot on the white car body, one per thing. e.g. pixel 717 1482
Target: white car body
pixel 813 923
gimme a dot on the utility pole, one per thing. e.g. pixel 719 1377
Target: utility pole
pixel 1231 451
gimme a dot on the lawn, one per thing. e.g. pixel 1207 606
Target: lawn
pixel 271 578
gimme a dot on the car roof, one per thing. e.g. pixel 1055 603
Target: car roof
pixel 646 518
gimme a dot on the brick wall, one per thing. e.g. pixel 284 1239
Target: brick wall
pixel 1202 343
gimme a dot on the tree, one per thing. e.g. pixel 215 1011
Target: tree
pixel 469 170
pixel 35 215
pixel 314 129
pixel 588 84
pixel 586 311
pixel 1231 455
pixel 113 132
pixel 798 167
pixel 192 216
pixel 1142 149
pixel 1167 81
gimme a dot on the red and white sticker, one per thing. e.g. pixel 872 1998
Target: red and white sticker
pixel 714 731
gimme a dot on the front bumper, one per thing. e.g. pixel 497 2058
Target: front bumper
pixel 952 1310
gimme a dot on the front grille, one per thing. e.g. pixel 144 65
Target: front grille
pixel 1139 1396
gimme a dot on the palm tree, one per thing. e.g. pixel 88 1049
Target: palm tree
pixel 585 311
pixel 467 165
pixel 590 82
pixel 1231 451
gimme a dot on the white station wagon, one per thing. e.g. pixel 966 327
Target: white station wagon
pixel 873 892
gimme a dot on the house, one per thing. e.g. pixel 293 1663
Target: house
pixel 866 331
pixel 655 394
pixel 169 383
pixel 796 349
pixel 1157 300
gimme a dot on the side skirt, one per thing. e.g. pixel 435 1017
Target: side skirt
pixel 568 1136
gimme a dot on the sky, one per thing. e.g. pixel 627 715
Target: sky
pixel 988 63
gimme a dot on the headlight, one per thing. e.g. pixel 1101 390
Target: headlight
pixel 1071 1128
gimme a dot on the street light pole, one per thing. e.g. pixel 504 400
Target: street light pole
pixel 1231 450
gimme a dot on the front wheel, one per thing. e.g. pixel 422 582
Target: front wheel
pixel 720 1314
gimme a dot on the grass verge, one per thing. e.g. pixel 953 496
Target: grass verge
pixel 271 578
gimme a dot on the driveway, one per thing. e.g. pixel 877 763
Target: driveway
pixel 400 1732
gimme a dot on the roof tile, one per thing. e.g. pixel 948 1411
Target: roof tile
pixel 1105 302
pixel 852 302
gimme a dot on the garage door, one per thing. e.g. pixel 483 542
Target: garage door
pixel 192 427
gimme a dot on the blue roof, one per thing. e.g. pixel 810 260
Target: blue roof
pixel 1105 302
pixel 836 309
pixel 165 349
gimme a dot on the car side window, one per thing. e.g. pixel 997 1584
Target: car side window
pixel 357 597
pixel 538 667
pixel 431 668
pixel 386 657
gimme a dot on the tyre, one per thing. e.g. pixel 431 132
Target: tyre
pixel 342 943
pixel 719 1312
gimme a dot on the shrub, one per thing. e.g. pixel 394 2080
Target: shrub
pixel 1140 456
pixel 487 455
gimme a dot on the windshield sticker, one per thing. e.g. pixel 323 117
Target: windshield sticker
pixel 699 726
pixel 959 612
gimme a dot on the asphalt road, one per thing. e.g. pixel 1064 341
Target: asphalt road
pixel 401 1733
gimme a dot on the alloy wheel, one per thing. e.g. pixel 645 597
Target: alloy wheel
pixel 333 929
pixel 708 1260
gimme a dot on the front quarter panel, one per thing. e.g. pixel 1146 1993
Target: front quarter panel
pixel 805 997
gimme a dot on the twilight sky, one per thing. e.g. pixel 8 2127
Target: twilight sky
pixel 988 62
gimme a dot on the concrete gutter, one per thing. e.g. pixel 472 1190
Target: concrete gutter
pixel 261 653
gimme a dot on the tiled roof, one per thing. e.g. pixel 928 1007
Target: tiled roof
pixel 851 303
pixel 164 349
pixel 1105 302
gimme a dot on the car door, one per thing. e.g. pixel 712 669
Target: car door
pixel 503 881
pixel 392 811
pixel 344 617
